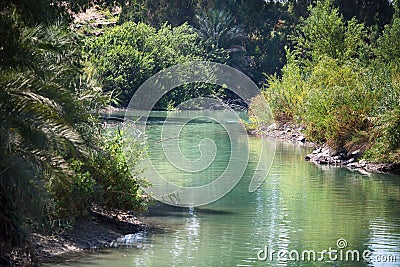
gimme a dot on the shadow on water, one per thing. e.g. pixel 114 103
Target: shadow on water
pixel 299 207
pixel 164 210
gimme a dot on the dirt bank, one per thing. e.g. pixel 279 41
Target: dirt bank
pixel 88 234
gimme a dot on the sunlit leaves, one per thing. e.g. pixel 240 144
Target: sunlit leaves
pixel 127 55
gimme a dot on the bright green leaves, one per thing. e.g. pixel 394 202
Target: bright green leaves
pixel 112 166
pixel 342 85
pixel 325 33
pixel 127 55
pixel 389 43
pixel 322 33
pixel 336 102
pixel 287 93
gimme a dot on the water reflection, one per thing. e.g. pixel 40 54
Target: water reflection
pixel 299 207
pixel 383 240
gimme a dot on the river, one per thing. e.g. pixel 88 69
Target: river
pixel 300 208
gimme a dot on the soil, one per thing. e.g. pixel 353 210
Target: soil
pixel 88 234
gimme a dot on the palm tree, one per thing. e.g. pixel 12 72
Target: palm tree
pixel 217 27
pixel 45 100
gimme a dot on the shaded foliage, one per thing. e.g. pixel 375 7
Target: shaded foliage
pixel 217 27
pixel 370 12
pixel 39 109
pixel 259 27
pixel 156 13
pixel 47 133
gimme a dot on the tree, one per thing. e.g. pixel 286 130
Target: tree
pixel 49 136
pixel 45 102
pixel 266 25
pixel 156 13
pixel 127 55
pixel 218 28
pixel 322 83
pixel 325 33
pixel 369 12
pixel 389 44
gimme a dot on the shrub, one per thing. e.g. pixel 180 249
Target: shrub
pixel 116 168
pixel 259 112
pixel 286 94
pixel 337 102
pixel 385 138
pixel 73 197
pixel 127 55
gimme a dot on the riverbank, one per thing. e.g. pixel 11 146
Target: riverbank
pixel 323 154
pixel 101 229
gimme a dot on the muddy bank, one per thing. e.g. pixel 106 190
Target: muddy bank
pixel 101 229
pixel 323 154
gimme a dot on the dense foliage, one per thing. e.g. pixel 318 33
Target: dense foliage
pixel 259 26
pixel 127 55
pixel 343 89
pixel 332 66
pixel 50 146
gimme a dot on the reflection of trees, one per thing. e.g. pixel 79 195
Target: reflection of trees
pixel 189 138
pixel 309 207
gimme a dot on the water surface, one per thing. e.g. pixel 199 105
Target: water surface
pixel 299 207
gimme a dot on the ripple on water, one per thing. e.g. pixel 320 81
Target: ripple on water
pixel 299 206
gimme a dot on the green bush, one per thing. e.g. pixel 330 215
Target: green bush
pixel 325 33
pixel 127 55
pixel 71 197
pixel 385 134
pixel 385 138
pixel 345 91
pixel 107 177
pixel 337 102
pixel 260 113
pixel 388 48
pixel 116 170
pixel 286 94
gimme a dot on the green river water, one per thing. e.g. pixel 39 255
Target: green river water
pixel 300 207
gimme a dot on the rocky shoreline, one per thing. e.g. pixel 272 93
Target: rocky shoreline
pixel 323 154
pixel 113 228
pixel 287 132
pixel 327 156
pixel 101 229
